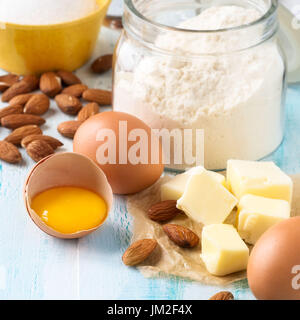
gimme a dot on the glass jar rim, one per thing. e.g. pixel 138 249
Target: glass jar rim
pixel 268 14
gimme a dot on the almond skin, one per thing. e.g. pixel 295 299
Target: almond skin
pixel 164 211
pixel 26 85
pixel 102 97
pixel 9 152
pixel 3 86
pixel 20 133
pixel 102 64
pixel 20 99
pixel 223 295
pixel 54 143
pixel 88 111
pixel 7 81
pixel 16 109
pixel 113 22
pixel 69 128
pixel 76 90
pixel 38 104
pixel 10 78
pixel 181 236
pixel 68 78
pixel 68 104
pixel 16 89
pixel 39 149
pixel 139 251
pixel 15 121
pixel 50 84
pixel 33 81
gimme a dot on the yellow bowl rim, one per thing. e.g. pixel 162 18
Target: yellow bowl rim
pixel 57 25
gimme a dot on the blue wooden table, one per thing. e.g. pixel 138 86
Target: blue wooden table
pixel 34 265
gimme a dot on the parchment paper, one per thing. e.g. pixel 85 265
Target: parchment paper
pixel 168 258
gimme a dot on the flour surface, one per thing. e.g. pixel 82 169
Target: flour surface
pixel 43 12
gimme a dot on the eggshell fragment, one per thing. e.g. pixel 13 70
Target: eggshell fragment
pixel 274 265
pixel 65 169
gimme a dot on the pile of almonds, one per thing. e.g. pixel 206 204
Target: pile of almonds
pixel 180 235
pixel 25 108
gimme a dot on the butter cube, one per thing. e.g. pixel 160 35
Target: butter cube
pixel 223 250
pixel 174 189
pixel 257 214
pixel 205 199
pixel 258 178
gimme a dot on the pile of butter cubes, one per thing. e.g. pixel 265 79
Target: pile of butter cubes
pixel 260 191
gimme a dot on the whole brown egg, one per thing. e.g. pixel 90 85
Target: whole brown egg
pixel 120 144
pixel 274 263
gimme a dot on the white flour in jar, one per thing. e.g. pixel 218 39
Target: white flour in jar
pixel 44 12
pixel 235 98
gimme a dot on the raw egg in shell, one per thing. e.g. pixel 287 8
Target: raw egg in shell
pixel 67 195
pixel 120 144
pixel 274 264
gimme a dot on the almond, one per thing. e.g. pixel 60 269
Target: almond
pixel 38 104
pixel 164 211
pixel 20 99
pixel 139 251
pixel 10 78
pixel 50 84
pixel 39 149
pixel 16 109
pixel 14 121
pixel 33 81
pixel 26 85
pixel 223 295
pixel 68 78
pixel 9 152
pixel 103 97
pixel 3 86
pixel 75 90
pixel 113 22
pixel 7 81
pixel 88 111
pixel 181 236
pixel 54 143
pixel 20 133
pixel 16 89
pixel 69 128
pixel 68 104
pixel 102 64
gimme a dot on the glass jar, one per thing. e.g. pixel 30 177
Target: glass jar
pixel 210 65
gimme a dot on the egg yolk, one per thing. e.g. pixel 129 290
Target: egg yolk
pixel 70 209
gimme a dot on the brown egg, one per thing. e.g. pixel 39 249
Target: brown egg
pixel 274 264
pixel 60 170
pixel 124 178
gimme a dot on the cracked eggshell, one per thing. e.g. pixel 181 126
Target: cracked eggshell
pixel 65 169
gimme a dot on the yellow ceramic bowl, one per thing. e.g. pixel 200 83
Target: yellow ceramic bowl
pixel 28 49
